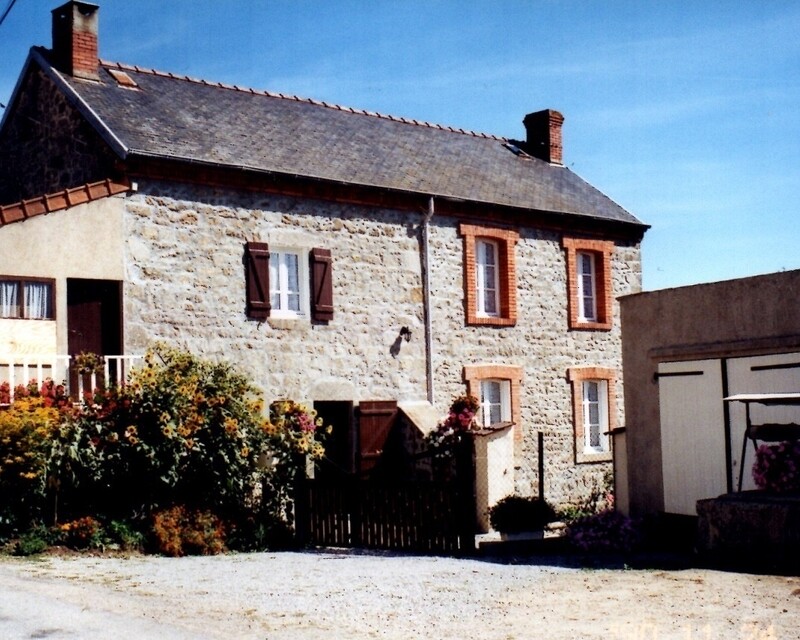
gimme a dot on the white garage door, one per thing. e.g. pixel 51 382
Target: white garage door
pixel 692 433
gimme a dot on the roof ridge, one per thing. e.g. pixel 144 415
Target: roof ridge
pixel 321 103
pixel 63 199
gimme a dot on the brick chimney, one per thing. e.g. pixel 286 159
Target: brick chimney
pixel 543 130
pixel 75 39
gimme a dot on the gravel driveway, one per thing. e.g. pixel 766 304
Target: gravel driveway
pixel 371 595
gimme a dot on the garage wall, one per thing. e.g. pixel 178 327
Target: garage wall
pixel 746 322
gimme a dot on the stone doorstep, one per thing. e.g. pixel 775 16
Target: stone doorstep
pixel 496 541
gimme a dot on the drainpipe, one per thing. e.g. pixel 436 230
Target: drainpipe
pixel 426 292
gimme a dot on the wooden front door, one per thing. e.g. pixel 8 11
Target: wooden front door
pixel 94 316
pixel 340 444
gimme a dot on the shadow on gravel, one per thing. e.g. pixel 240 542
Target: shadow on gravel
pixel 556 552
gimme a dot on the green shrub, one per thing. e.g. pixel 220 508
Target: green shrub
pixel 125 535
pixel 514 514
pixel 34 541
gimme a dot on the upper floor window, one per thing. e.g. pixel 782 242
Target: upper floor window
pixel 487 277
pixel 589 283
pixel 26 298
pixel 490 277
pixel 287 277
pixel 288 283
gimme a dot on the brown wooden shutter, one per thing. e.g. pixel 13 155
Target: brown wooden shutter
pixel 321 285
pixel 257 263
pixel 376 419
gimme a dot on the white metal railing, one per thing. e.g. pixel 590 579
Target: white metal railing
pixel 19 370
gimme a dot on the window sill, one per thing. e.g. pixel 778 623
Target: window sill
pixel 287 323
pixel 591 326
pixel 491 321
pixel 584 458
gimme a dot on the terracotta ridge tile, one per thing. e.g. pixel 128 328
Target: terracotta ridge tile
pixel 59 200
pixel 283 96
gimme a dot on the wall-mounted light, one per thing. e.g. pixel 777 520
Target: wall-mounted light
pixel 405 332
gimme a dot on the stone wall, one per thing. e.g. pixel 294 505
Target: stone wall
pixel 49 145
pixel 185 284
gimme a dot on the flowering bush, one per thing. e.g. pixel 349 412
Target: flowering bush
pixel 26 431
pixel 607 530
pixel 442 441
pixel 182 430
pixel 83 533
pixel 777 467
pixel 179 531
pixel 52 394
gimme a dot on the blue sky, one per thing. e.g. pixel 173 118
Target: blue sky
pixel 685 113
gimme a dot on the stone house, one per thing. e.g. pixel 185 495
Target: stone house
pixel 370 265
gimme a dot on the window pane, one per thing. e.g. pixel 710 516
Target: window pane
pixel 274 281
pixel 491 402
pixel 586 286
pixel 292 275
pixel 9 299
pixel 37 300
pixel 487 277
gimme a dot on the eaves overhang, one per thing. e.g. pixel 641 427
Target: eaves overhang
pixel 144 164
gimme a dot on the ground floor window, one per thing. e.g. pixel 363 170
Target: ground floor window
pixel 495 401
pixel 593 401
pixel 26 298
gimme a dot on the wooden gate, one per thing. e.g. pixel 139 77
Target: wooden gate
pixel 424 517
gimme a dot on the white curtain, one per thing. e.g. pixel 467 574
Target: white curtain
pixel 9 299
pixel 37 300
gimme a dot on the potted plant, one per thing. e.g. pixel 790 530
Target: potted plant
pixel 518 517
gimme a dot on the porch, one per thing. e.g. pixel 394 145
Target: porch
pixel 18 370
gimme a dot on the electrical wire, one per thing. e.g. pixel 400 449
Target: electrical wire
pixel 2 19
pixel 7 11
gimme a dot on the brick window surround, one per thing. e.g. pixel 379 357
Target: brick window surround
pixel 474 373
pixel 576 377
pixel 602 250
pixel 506 241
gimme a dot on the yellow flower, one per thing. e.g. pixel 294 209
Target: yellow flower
pixel 231 425
pixel 133 440
pixel 245 452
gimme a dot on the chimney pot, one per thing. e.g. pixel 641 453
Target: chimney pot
pixel 543 129
pixel 75 39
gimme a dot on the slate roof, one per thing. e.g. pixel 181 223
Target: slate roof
pixel 178 117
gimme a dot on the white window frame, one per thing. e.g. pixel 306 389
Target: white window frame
pixel 279 283
pixel 504 387
pixel 591 426
pixel 487 287
pixel 587 286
